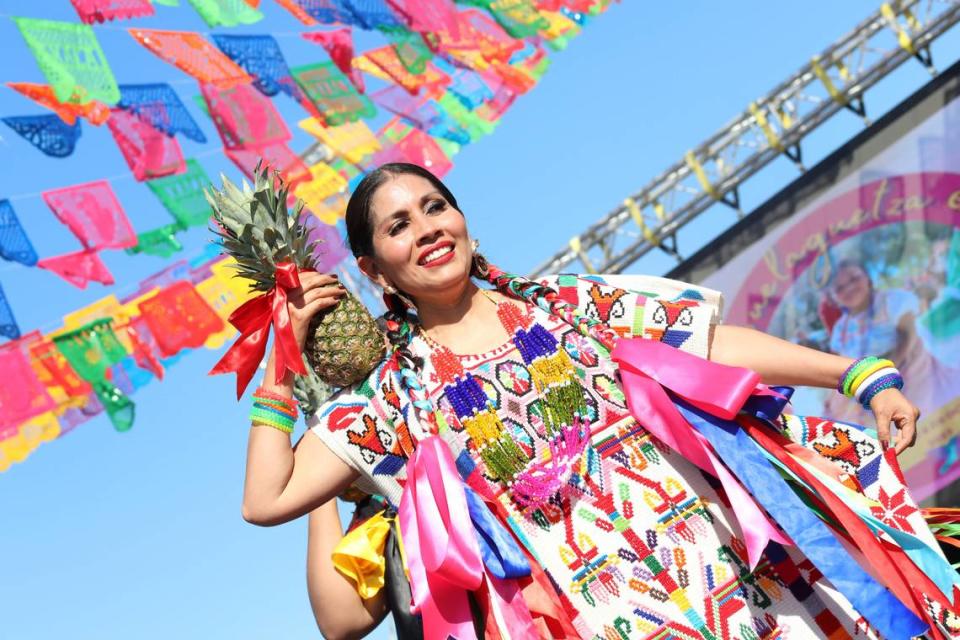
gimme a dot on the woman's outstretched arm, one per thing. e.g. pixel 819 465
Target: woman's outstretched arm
pixel 284 482
pixel 783 363
pixel 339 610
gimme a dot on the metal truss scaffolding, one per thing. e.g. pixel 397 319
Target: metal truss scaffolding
pixel 833 81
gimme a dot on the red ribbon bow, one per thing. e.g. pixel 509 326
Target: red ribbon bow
pixel 253 319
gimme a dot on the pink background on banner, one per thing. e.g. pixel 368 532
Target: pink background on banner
pixel 885 201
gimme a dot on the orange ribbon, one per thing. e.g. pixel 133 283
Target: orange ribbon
pixel 253 319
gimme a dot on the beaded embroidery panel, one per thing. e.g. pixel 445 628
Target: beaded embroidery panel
pixel 640 545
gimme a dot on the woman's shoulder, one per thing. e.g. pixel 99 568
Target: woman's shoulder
pixel 597 292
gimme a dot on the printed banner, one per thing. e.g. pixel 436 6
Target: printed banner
pixel 871 266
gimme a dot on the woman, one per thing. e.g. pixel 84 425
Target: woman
pixel 884 322
pixel 514 392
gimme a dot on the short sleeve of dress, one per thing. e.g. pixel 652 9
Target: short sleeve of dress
pixel 677 313
pixel 358 426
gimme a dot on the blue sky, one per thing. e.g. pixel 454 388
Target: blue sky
pixel 139 535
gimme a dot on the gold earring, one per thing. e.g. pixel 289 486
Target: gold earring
pixel 389 290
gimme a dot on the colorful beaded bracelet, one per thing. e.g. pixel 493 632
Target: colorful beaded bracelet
pixel 867 377
pixel 889 381
pixel 273 410
pixel 260 417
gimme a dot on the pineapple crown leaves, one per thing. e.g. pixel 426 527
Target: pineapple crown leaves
pixel 256 228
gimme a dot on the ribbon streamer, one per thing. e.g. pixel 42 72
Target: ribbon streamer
pixel 359 555
pixel 646 367
pixel 438 516
pixel 253 320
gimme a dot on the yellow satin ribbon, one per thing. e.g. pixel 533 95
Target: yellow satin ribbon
pixel 359 555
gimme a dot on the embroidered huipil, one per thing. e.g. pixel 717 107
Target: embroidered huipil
pixel 639 543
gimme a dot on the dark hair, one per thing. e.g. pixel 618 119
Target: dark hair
pixel 359 230
pixel 398 319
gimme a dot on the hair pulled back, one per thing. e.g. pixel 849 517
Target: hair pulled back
pixel 398 319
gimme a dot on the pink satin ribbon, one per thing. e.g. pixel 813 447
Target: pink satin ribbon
pixel 443 555
pixel 647 369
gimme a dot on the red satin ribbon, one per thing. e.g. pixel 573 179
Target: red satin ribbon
pixel 647 368
pixel 253 320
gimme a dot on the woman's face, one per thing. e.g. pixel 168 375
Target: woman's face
pixel 420 242
pixel 851 288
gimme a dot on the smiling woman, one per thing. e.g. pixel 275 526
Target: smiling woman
pixel 592 456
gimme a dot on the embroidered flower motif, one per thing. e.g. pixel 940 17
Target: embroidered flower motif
pixel 894 510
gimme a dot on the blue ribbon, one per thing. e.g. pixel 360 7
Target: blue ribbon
pixel 743 456
pixel 500 552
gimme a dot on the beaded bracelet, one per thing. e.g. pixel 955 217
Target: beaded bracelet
pixel 867 377
pixel 273 410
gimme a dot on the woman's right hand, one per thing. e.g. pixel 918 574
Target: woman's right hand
pixel 318 291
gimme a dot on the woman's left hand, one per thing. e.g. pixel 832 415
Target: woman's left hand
pixel 892 406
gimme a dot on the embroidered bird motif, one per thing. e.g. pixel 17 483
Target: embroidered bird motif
pixel 604 306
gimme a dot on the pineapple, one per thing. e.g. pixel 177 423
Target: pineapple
pixel 344 342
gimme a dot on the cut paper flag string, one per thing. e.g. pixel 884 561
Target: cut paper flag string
pixel 149 152
pixel 95 112
pixel 333 99
pixel 71 59
pixel 91 11
pixel 417 147
pixel 478 42
pixel 427 15
pixel 352 141
pixel 91 350
pixel 182 195
pixel 339 46
pixel 49 133
pixel 8 324
pixel 384 64
pixel 451 74
pixel 79 268
pixel 369 14
pixel 366 14
pixel 15 246
pixel 279 156
pixel 226 13
pixel 193 55
pixel 412 52
pixel 298 12
pixel 519 19
pixel 22 396
pixel 260 56
pixel 244 116
pixel 179 318
pixel 93 214
pixel 159 105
